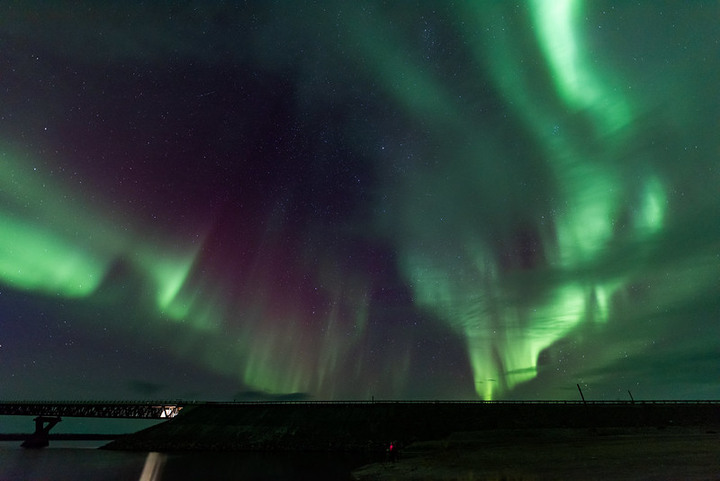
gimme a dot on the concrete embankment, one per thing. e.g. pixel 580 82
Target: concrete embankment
pixel 372 426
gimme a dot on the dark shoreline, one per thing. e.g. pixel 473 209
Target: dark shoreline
pixel 62 437
pixel 370 427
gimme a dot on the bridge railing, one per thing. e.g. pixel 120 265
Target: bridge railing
pixel 169 409
pixel 99 409
pixel 470 402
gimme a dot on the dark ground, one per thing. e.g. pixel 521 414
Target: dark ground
pixel 672 453
pixel 356 427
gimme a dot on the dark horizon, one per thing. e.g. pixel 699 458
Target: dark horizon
pixel 16 427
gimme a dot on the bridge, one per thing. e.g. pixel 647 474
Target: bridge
pixel 93 409
pixel 48 414
pixel 170 409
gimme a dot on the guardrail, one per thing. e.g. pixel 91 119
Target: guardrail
pixel 477 402
pixel 95 409
pixel 169 409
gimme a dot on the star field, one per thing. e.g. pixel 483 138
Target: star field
pixel 249 200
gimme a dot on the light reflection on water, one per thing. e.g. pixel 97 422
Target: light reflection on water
pixel 74 460
pixel 152 470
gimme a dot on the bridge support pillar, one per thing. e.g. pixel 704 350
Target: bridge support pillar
pixel 43 425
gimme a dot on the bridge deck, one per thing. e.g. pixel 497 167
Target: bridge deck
pixel 169 409
pixel 136 410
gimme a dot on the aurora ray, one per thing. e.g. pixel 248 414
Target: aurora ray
pixel 467 200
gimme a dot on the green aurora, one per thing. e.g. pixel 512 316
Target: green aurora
pixel 474 199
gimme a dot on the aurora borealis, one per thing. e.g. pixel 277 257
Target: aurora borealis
pixel 345 200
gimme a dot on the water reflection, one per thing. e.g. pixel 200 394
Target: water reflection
pixel 153 467
pixel 71 461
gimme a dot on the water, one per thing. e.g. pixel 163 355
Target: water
pixel 75 460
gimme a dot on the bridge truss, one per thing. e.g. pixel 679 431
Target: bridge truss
pixel 92 409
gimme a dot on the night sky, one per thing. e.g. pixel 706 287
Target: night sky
pixel 217 200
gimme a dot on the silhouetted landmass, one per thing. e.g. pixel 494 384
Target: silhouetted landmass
pixel 372 426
